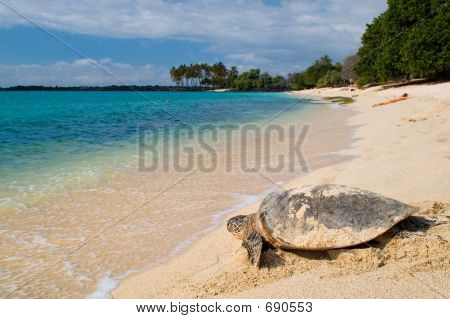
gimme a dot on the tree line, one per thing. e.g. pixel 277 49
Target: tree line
pixel 203 75
pixel 219 76
pixel 321 73
pixel 411 39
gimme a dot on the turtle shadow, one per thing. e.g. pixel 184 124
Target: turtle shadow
pixel 275 258
pixel 271 259
pixel 413 226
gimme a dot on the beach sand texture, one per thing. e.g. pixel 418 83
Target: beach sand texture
pixel 401 150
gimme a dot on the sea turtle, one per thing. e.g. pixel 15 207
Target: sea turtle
pixel 317 217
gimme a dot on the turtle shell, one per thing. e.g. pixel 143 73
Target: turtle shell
pixel 327 216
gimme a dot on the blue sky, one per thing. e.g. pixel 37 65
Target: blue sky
pixel 138 41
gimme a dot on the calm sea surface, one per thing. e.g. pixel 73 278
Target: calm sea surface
pixel 48 136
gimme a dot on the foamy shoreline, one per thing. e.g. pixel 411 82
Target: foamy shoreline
pixel 401 150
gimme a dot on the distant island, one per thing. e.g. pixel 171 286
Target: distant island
pixel 103 88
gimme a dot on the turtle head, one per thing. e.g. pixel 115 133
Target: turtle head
pixel 241 225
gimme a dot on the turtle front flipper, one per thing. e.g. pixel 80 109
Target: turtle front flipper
pixel 253 243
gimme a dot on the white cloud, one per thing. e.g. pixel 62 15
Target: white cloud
pixel 282 38
pixel 82 72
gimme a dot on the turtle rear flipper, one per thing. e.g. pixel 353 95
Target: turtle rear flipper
pixel 253 243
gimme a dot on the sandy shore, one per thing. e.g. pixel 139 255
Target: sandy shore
pixel 401 150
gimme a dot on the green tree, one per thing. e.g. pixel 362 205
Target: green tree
pixel 195 75
pixel 264 81
pixel 175 76
pixel 426 52
pixel 298 81
pixel 410 39
pixel 218 75
pixel 317 70
pixel 232 76
pixel 279 83
pixel 205 75
pixel 330 79
pixel 248 80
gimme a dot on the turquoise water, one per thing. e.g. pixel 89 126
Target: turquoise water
pixel 76 214
pixel 47 138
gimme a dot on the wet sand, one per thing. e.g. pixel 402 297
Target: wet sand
pixel 85 240
pixel 400 150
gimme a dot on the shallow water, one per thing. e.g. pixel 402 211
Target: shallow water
pixel 76 212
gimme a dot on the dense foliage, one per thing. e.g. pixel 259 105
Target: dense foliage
pixel 321 73
pixel 411 39
pixel 195 75
pixel 255 80
pixel 218 76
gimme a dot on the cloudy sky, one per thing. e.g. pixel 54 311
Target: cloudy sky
pixel 73 42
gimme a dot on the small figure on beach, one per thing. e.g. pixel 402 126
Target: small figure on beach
pixel 319 217
pixel 398 99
